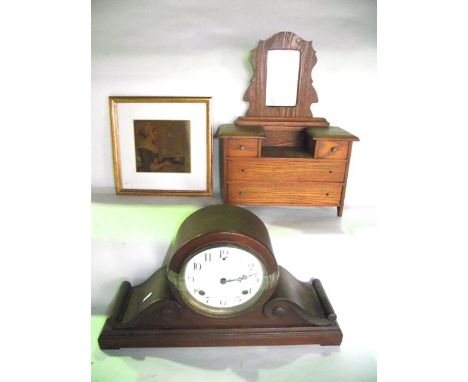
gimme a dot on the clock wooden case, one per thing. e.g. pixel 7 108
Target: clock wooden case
pixel 220 285
pixel 283 155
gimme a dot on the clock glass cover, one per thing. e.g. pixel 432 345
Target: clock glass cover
pixel 224 279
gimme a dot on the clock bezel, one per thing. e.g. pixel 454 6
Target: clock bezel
pixel 180 257
pixel 231 311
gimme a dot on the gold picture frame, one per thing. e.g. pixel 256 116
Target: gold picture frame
pixel 162 145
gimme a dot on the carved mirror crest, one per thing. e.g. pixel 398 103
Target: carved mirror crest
pixel 281 86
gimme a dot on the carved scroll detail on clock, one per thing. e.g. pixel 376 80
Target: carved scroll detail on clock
pixel 160 312
pixel 306 94
pixel 280 308
pixel 307 300
pixel 145 305
pixel 167 311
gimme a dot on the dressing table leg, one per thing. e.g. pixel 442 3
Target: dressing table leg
pixel 340 210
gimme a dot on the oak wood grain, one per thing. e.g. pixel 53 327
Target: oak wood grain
pixel 242 147
pixel 332 149
pixel 289 137
pixel 284 193
pixel 306 94
pixel 281 121
pixel 340 208
pixel 233 131
pixel 286 169
pixel 330 132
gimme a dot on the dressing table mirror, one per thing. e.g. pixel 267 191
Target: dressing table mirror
pixel 282 77
pixel 279 153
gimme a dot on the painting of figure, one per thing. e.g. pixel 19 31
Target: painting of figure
pixel 162 146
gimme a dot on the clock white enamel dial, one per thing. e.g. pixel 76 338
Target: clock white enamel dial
pixel 223 280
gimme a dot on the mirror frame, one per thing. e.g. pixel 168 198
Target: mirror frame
pixel 306 94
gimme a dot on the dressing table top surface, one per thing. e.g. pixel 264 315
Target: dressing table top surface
pixel 240 131
pixel 330 132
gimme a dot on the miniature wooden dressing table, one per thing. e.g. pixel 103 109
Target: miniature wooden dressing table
pixel 278 153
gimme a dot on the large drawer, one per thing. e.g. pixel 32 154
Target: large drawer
pixel 279 169
pixel 284 193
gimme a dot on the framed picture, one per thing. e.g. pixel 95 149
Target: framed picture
pixel 162 145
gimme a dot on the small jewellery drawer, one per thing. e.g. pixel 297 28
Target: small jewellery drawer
pixel 286 170
pixel 331 149
pixel 241 147
pixel 285 193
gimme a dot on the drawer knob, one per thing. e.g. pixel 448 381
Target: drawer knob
pixel 330 171
pixel 241 193
pixel 243 170
pixel 242 147
pixel 333 149
pixel 327 194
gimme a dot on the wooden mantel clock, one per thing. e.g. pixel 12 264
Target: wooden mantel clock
pixel 220 285
pixel 278 153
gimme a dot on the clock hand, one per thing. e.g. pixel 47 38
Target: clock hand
pixel 243 277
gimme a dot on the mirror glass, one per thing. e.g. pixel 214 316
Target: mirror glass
pixel 282 77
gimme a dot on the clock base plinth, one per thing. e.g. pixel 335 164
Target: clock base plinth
pixel 321 335
pixel 297 313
